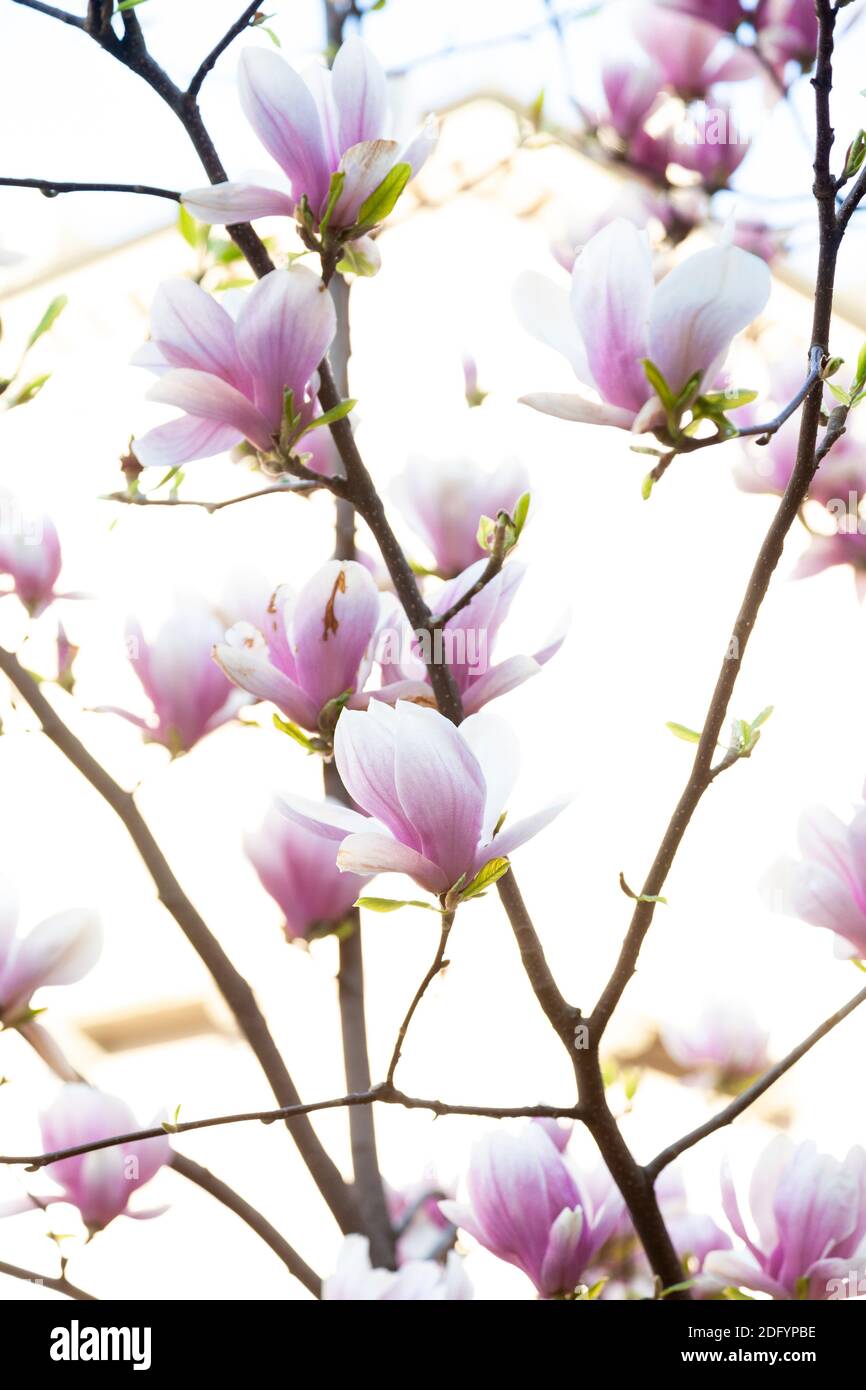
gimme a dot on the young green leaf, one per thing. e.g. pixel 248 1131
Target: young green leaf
pixel 392 904
pixel 287 727
pixel 48 320
pixel 339 412
pixel 485 878
pixel 335 188
pixel 658 383
pixel 383 199
pixel 680 730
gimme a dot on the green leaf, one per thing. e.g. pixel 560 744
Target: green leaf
pixel 30 391
pixel 287 727
pixel 521 511
pixel 762 717
pixel 726 400
pixel 383 199
pixel 274 38
pixel 485 878
pixel 335 188
pixel 486 532
pixel 339 412
pixel 677 1288
pixel 856 154
pixel 680 730
pixel 647 486
pixel 48 320
pixel 129 4
pixel 354 262
pixel 392 904
pixel 194 233
pixel 224 252
pixel 737 1296
pixel 840 393
pixel 658 383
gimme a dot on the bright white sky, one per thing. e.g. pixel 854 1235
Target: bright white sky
pixel 653 588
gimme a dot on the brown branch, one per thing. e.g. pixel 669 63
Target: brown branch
pixel 381 1094
pixel 753 1092
pixel 142 499
pixel 203 1178
pixel 45 1281
pixel 231 984
pixel 51 188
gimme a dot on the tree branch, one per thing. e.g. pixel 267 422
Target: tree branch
pixel 50 188
pixel 439 963
pixel 45 1281
pixel 203 1178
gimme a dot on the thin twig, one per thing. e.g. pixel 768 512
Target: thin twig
pixel 45 1281
pixel 141 499
pixel 51 188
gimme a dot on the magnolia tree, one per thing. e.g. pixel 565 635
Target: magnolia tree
pixel 385 671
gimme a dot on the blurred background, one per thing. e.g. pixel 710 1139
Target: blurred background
pixel 653 588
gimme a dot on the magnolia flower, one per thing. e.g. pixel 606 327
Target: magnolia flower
pixel 827 886
pixel 467 643
pixel 825 552
pixel 315 647
pixel 692 54
pixel 527 1207
pixel 59 951
pixel 102 1182
pixel 328 133
pixel 710 143
pixel 297 868
pixel 724 1043
pixel 30 555
pixel 355 1280
pixel 630 91
pixel 443 501
pixel 189 693
pixel 809 1213
pixel 434 795
pixel 787 31
pixel 618 317
pixel 635 202
pixel 230 377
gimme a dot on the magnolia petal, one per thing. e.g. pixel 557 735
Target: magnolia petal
pixel 182 440
pixel 421 146
pixel 360 93
pixel 568 407
pixel 334 619
pixel 700 306
pixel 283 330
pixel 440 785
pixel 190 329
pixel 611 290
pixel 369 854
pixel 251 669
pixel 544 310
pixel 280 107
pixel 228 203
pixel 329 819
pixel 497 749
pixel 499 680
pixel 209 398
pixel 513 836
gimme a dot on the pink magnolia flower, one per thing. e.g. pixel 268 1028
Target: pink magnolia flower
pixel 443 501
pixel 316 125
pixel 189 693
pixel 467 643
pixel 710 143
pixel 433 794
pixel 230 376
pixel 417 1281
pixel 809 1213
pixel 724 1043
pixel 315 647
pixel 59 951
pixel 826 887
pixel 527 1207
pixel 30 555
pixel 825 552
pixel 692 54
pixel 617 317
pixel 296 866
pixel 102 1182
pixel 630 91
pixel 787 31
